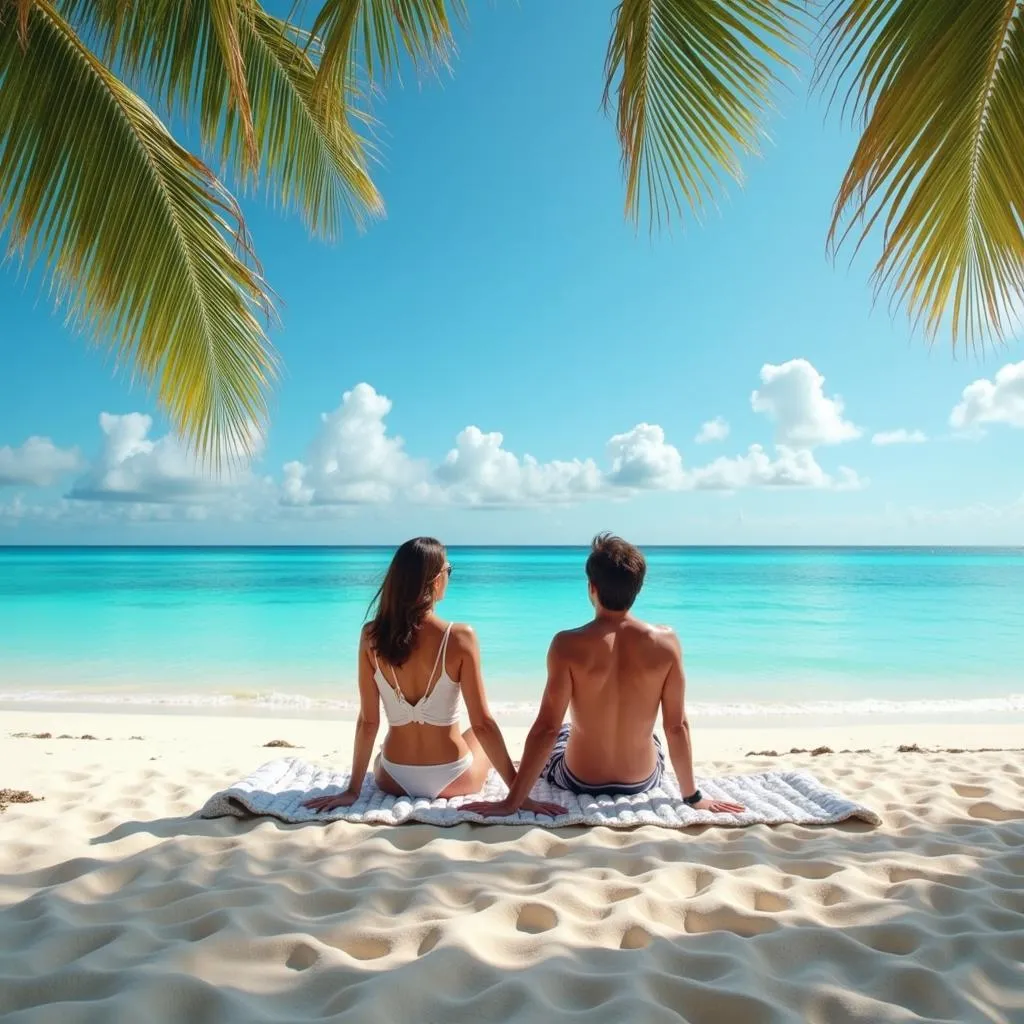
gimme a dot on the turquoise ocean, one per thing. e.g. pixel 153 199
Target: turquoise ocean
pixel 778 631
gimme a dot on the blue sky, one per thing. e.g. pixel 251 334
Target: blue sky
pixel 505 291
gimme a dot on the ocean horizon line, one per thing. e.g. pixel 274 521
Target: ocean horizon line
pixel 513 547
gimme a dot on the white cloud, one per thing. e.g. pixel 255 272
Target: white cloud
pixel 479 471
pixel 1000 400
pixel 901 436
pixel 714 430
pixel 790 468
pixel 793 395
pixel 641 459
pixel 37 463
pixel 352 460
pixel 132 467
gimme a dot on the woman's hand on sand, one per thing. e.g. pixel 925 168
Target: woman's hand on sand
pixel 718 806
pixel 503 809
pixel 331 803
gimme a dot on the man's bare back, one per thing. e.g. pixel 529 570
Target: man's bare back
pixel 618 668
pixel 613 675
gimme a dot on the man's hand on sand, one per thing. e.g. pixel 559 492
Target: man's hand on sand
pixel 330 803
pixel 718 806
pixel 503 809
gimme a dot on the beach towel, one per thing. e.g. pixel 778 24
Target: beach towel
pixel 279 788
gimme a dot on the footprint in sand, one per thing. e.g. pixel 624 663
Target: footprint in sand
pixel 635 937
pixel 974 792
pixel 992 812
pixel 536 917
pixel 302 957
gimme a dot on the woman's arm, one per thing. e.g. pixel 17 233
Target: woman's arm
pixel 367 726
pixel 471 680
pixel 539 742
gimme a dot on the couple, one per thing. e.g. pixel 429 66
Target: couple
pixel 613 674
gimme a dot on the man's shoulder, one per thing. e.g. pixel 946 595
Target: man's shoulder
pixel 659 638
pixel 569 643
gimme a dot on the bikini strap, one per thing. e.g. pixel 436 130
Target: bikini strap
pixel 396 689
pixel 442 653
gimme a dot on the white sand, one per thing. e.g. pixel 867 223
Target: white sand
pixel 116 906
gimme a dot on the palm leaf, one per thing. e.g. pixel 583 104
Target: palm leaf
pixel 939 86
pixel 378 33
pixel 308 156
pixel 313 158
pixel 225 16
pixel 693 80
pixel 140 240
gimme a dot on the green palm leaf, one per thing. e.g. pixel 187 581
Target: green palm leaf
pixel 693 80
pixel 309 156
pixel 940 88
pixel 142 243
pixel 378 33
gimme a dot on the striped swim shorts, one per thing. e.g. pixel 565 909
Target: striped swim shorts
pixel 557 773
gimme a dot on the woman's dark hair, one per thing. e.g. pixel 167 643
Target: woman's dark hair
pixel 616 569
pixel 405 598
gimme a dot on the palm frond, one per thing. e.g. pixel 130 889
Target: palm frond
pixel 377 33
pixel 141 242
pixel 939 86
pixel 309 157
pixel 224 16
pixel 313 158
pixel 693 80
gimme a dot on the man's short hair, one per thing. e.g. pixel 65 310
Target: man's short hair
pixel 616 570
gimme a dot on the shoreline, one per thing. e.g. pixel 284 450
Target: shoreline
pixel 975 715
pixel 733 740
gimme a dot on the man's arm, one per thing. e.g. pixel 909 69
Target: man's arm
pixel 539 740
pixel 480 717
pixel 677 732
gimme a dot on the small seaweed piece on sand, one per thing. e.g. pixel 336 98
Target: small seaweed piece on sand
pixel 281 743
pixel 818 751
pixel 16 796
pixel 909 748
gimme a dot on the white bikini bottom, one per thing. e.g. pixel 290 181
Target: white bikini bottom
pixel 426 779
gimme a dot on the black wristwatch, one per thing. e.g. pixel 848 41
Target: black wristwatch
pixel 694 798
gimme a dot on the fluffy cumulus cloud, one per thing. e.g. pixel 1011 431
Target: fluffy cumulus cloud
pixel 1000 400
pixel 641 459
pixel 478 471
pixel 793 396
pixel 901 436
pixel 790 467
pixel 352 460
pixel 133 467
pixel 36 463
pixel 714 430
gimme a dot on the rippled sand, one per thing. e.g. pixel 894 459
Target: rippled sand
pixel 115 905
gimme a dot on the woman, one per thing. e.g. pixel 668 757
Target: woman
pixel 421 668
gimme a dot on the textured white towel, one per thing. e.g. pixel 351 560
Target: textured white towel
pixel 279 788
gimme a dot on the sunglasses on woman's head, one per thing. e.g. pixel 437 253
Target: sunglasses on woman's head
pixel 449 569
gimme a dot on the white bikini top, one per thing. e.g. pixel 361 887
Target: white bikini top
pixel 439 705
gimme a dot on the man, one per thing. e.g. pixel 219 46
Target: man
pixel 614 673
